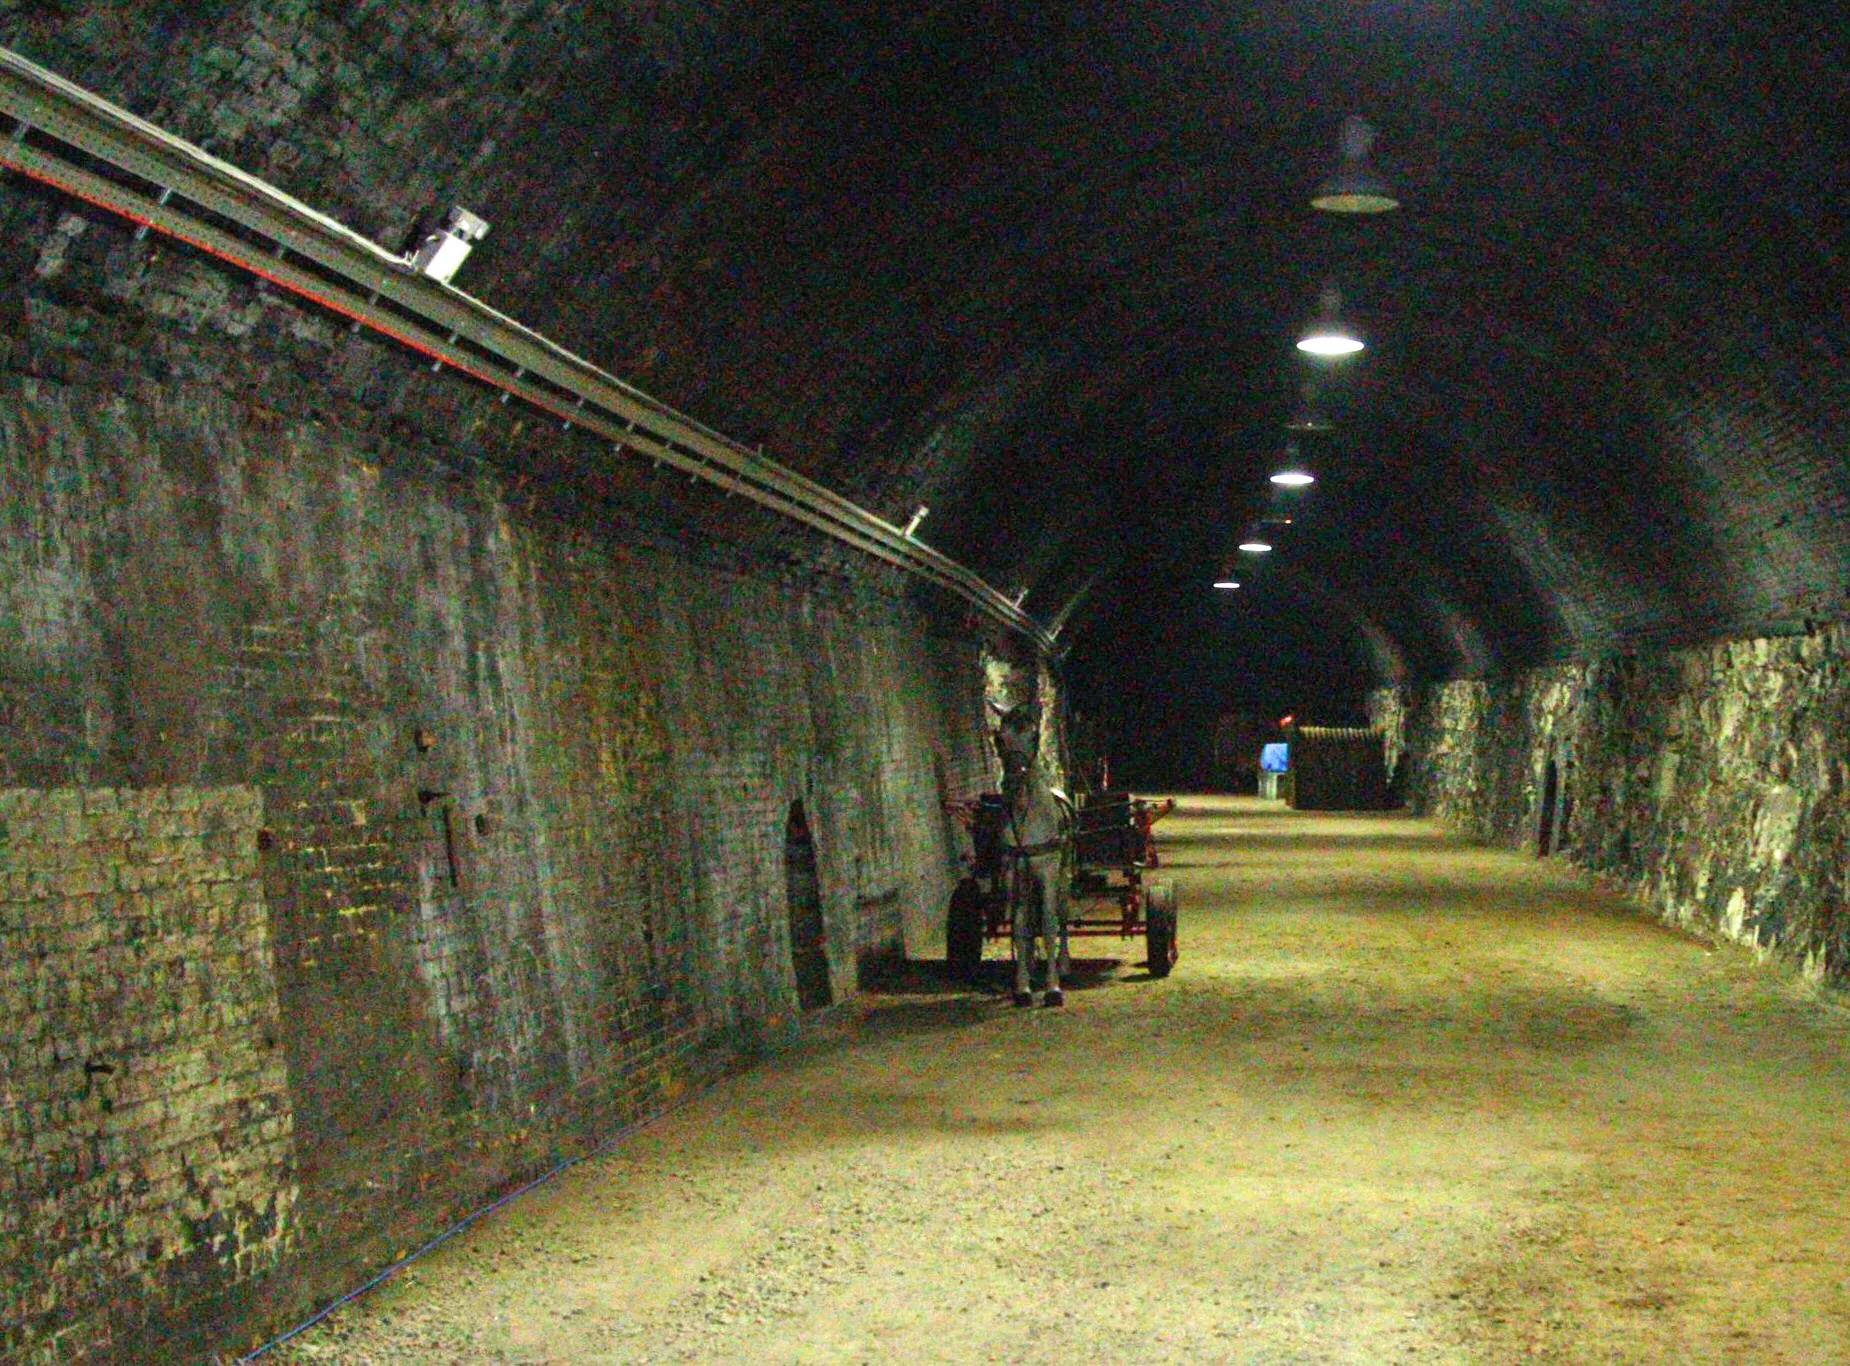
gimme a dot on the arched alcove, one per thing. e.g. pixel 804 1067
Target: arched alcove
pixel 809 949
pixel 1546 829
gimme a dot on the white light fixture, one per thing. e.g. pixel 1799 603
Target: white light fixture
pixel 1355 187
pixel 1329 335
pixel 1227 584
pixel 442 253
pixel 1293 475
pixel 918 516
pixel 1308 418
pixel 1255 547
pixel 1330 343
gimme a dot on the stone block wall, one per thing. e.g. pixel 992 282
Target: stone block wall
pixel 145 1126
pixel 514 746
pixel 1713 781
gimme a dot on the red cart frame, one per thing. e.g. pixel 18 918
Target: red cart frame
pixel 1111 852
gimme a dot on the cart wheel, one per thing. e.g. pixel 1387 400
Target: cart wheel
pixel 1159 927
pixel 963 929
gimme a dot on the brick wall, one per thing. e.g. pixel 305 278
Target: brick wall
pixel 523 745
pixel 145 1125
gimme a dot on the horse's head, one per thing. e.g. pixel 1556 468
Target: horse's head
pixel 1017 737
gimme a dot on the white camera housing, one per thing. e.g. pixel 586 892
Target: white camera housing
pixel 441 254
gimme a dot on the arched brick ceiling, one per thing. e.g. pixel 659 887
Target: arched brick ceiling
pixel 1041 270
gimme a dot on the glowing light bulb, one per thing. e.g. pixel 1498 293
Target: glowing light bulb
pixel 1255 547
pixel 1331 343
pixel 1329 335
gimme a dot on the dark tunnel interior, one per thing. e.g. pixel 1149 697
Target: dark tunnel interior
pixel 459 783
pixel 1040 270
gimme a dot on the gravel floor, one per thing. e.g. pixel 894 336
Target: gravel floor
pixel 1403 1100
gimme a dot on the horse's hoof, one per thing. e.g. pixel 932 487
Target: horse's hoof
pixel 1054 998
pixel 1024 998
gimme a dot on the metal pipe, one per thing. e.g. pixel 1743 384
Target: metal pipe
pixel 425 315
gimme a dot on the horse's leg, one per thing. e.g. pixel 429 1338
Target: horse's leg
pixel 1021 893
pixel 1053 933
pixel 1061 905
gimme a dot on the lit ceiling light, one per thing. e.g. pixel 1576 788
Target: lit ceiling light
pixel 1329 344
pixel 1293 475
pixel 1355 187
pixel 1309 420
pixel 1227 584
pixel 1329 335
pixel 1255 547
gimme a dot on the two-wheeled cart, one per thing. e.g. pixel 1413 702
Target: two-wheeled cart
pixel 1111 893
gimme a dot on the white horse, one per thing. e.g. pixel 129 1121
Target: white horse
pixel 1039 841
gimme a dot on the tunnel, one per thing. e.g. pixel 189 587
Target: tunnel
pixel 551 556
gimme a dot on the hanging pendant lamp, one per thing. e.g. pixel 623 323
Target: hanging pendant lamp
pixel 1329 335
pixel 1355 186
pixel 1309 419
pixel 1292 474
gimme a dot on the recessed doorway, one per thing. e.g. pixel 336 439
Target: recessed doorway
pixel 809 949
pixel 1551 785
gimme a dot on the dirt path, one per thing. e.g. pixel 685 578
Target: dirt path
pixel 1403 1100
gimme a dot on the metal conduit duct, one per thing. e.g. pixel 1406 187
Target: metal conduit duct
pixel 186 188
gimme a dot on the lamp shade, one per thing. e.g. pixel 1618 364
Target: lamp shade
pixel 1309 421
pixel 1329 335
pixel 1309 417
pixel 1355 186
pixel 1291 472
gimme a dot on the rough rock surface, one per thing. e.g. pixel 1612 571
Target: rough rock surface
pixel 1712 781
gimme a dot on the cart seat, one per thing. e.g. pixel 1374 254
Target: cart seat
pixel 1108 835
pixel 986 834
